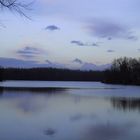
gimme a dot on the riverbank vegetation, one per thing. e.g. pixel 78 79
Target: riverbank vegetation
pixel 123 71
pixel 50 74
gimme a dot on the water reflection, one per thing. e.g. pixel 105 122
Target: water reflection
pixel 30 92
pixel 109 131
pixel 126 104
pixel 1 91
pixel 77 117
pixel 62 114
pixel 50 132
pixel 29 100
pixel 33 90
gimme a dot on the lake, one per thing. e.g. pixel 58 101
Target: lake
pixel 43 110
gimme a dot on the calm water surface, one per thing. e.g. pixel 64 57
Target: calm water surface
pixel 69 111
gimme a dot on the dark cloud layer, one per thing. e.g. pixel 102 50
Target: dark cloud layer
pixel 29 52
pixel 109 30
pixel 52 28
pixel 80 43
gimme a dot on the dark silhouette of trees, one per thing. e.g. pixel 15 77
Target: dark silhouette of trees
pixel 50 74
pixel 124 71
pixel 1 73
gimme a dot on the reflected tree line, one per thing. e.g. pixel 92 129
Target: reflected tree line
pixel 126 104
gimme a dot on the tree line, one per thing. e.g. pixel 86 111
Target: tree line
pixel 124 71
pixel 49 74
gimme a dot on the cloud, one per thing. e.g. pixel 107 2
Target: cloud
pixel 80 43
pixel 109 30
pixel 29 52
pixel 139 50
pixel 51 64
pixel 52 28
pixel 110 51
pixel 77 61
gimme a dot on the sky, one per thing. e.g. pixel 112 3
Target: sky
pixel 72 34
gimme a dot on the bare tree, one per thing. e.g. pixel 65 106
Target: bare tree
pixel 16 5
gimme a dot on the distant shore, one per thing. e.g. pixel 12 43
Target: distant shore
pixel 49 74
pixel 124 71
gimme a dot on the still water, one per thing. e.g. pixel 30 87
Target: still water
pixel 69 111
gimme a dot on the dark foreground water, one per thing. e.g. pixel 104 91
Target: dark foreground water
pixel 69 111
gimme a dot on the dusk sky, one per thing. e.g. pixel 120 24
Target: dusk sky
pixel 72 33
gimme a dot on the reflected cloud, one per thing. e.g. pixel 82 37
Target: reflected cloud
pixel 77 117
pixel 77 99
pixel 30 100
pixel 108 131
pixel 49 132
pixel 93 116
pixel 29 106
